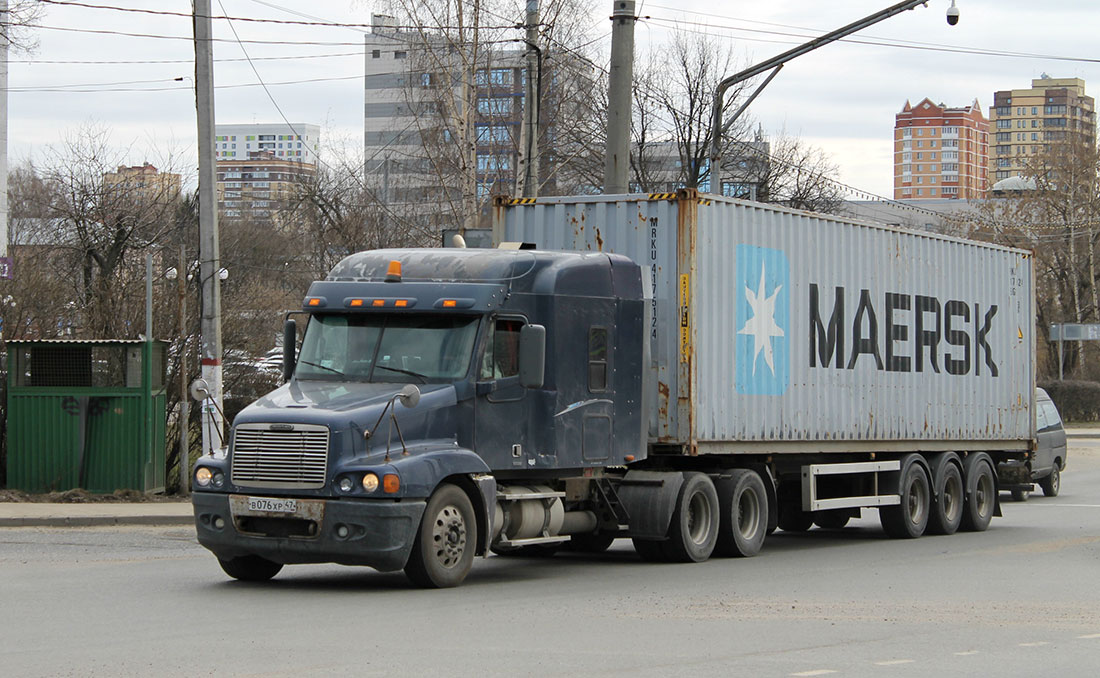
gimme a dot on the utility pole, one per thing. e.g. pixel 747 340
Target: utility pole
pixel 532 103
pixel 213 437
pixel 5 30
pixel 620 82
pixel 185 405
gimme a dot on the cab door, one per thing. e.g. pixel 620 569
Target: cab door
pixel 502 405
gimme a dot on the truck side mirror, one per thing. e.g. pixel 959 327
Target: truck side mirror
pixel 290 339
pixel 532 356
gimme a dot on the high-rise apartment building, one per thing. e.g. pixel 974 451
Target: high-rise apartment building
pixel 259 188
pixel 1027 122
pixel 940 152
pixel 296 142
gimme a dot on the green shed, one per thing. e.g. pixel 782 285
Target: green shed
pixel 86 414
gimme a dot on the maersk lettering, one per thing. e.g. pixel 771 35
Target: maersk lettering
pixel 915 327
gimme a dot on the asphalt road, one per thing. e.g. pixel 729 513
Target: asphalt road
pixel 1019 600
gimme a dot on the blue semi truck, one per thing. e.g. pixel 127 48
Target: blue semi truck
pixel 452 403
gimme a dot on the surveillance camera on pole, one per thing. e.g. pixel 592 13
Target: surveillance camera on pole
pixel 952 14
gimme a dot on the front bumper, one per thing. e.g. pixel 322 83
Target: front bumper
pixel 378 534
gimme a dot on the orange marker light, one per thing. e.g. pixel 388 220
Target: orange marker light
pixel 315 302
pixel 378 302
pixel 629 457
pixel 449 303
pixel 401 303
pixel 391 483
pixel 355 303
pixel 393 271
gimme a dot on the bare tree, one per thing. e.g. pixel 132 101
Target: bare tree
pixel 21 15
pixel 800 176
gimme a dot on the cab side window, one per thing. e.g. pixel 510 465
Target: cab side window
pixel 501 357
pixel 597 359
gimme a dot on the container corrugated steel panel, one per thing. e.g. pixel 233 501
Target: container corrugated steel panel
pixel 745 357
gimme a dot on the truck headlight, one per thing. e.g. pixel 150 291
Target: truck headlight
pixel 345 484
pixel 370 482
pixel 203 476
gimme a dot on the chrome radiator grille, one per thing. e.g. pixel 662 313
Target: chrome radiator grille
pixel 263 457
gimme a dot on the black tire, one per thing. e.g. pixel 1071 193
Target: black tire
pixel 831 520
pixel 694 529
pixel 948 498
pixel 1020 495
pixel 590 543
pixel 793 519
pixel 650 550
pixel 1052 484
pixel 981 493
pixel 443 551
pixel 909 519
pixel 743 509
pixel 250 568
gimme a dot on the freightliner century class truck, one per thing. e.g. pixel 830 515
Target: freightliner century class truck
pixel 685 370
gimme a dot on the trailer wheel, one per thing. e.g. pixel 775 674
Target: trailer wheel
pixel 694 529
pixel 443 551
pixel 949 496
pixel 981 493
pixel 793 519
pixel 831 520
pixel 250 568
pixel 1052 484
pixel 743 507
pixel 909 519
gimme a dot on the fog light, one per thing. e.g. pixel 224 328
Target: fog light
pixel 219 479
pixel 370 482
pixel 219 523
pixel 345 484
pixel 203 476
pixel 342 531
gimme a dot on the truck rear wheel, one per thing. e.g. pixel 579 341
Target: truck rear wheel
pixel 981 493
pixel 443 551
pixel 250 568
pixel 909 519
pixel 743 509
pixel 694 529
pixel 1052 484
pixel 949 496
pixel 793 519
pixel 832 520
pixel 650 550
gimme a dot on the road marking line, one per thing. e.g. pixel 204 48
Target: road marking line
pixel 815 672
pixel 968 653
pixel 1039 643
pixel 1089 637
pixel 895 662
pixel 1069 505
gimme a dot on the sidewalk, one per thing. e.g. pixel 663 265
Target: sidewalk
pixel 1082 432
pixel 31 514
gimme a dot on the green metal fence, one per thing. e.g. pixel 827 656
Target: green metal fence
pixel 86 414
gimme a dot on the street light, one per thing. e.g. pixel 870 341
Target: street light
pixel 718 128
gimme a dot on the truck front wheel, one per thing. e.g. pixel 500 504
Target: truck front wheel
pixel 445 543
pixel 250 568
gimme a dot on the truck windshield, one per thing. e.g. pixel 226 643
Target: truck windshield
pixel 386 348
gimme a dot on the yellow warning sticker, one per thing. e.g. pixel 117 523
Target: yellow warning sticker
pixel 685 326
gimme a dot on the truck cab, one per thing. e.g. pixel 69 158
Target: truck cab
pixel 471 373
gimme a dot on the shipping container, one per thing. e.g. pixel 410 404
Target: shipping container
pixel 779 330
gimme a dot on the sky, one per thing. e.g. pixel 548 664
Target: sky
pixel 130 74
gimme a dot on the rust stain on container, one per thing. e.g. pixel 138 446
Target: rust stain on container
pixel 599 240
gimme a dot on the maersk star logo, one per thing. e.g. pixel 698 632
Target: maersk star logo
pixel 763 318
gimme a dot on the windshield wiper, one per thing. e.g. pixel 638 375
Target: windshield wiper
pixel 323 367
pixel 423 378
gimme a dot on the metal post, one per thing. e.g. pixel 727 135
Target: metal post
pixel 149 295
pixel 717 126
pixel 185 404
pixel 1061 348
pixel 209 260
pixel 4 20
pixel 531 105
pixel 619 84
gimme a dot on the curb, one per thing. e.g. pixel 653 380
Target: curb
pixel 93 521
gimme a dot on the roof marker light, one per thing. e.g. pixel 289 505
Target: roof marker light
pixel 401 303
pixel 449 303
pixel 393 271
pixel 378 302
pixel 355 303
pixel 314 302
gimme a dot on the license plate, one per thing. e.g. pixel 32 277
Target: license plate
pixel 268 505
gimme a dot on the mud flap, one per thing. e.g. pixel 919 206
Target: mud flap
pixel 650 498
